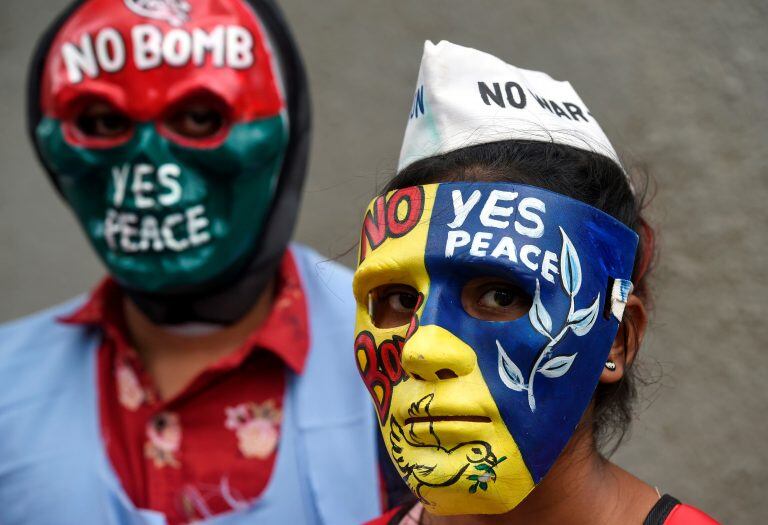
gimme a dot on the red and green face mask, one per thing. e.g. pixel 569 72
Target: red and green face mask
pixel 165 129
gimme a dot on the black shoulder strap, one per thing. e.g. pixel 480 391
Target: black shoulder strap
pixel 661 510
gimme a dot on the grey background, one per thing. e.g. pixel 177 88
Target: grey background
pixel 680 87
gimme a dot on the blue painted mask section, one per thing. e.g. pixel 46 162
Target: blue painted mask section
pixel 542 368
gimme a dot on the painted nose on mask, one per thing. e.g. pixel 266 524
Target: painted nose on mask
pixel 150 145
pixel 435 354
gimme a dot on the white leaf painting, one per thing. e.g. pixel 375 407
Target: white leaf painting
pixel 509 373
pixel 557 366
pixel 538 315
pixel 581 321
pixel 570 267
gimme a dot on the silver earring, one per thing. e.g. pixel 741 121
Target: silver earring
pixel 610 365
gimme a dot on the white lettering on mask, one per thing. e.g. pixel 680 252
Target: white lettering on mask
pixel 145 188
pixel 227 45
pixel 177 47
pixel 147 40
pixel 141 186
pixel 110 50
pixel 505 248
pixel 456 239
pixel 204 43
pixel 461 209
pixel 176 232
pixel 525 209
pixel 79 60
pixel 492 209
pixel 120 176
pixel 168 177
pixel 497 212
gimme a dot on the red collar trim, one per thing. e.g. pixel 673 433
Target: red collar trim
pixel 102 301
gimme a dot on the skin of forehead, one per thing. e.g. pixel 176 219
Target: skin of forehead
pixel 250 93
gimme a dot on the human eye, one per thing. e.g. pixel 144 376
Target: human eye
pixel 198 117
pixel 101 120
pixel 392 305
pixel 492 299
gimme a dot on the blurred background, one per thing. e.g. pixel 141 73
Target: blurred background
pixel 680 87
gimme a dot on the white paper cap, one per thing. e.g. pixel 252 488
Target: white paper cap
pixel 466 97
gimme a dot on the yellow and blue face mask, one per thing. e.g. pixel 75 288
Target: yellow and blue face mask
pixel 474 412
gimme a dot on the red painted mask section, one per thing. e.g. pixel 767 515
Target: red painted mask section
pixel 144 57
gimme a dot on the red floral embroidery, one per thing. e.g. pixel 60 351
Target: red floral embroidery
pixel 195 501
pixel 163 439
pixel 130 393
pixel 257 427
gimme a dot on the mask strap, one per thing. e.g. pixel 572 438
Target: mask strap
pixel 618 294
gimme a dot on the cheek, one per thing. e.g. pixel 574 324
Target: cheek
pixel 251 151
pixel 59 155
pixel 377 354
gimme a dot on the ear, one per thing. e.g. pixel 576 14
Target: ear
pixel 628 339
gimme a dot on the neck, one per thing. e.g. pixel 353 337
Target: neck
pixel 175 355
pixel 582 488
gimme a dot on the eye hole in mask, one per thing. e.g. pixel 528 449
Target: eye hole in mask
pixel 392 305
pixel 99 120
pixel 494 299
pixel 201 117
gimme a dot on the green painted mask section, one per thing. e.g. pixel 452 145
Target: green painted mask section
pixel 164 216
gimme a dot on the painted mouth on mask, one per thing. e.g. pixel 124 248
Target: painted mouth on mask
pixel 437 419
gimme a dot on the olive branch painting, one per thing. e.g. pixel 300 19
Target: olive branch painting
pixel 580 322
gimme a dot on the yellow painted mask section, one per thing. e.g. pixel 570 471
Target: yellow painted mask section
pixel 442 429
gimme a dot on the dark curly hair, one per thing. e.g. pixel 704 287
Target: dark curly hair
pixel 588 177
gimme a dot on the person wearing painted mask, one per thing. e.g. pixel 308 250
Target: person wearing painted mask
pixel 198 383
pixel 502 296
